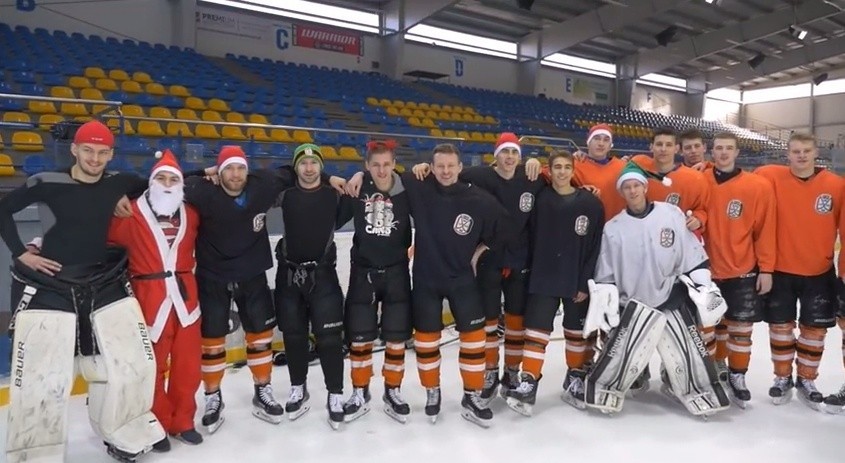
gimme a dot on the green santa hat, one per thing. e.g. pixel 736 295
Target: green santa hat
pixel 307 150
pixel 633 171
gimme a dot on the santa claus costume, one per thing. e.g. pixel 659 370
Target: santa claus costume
pixel 160 239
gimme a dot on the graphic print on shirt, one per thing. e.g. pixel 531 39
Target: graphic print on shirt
pixel 673 198
pixel 734 209
pixel 378 213
pixel 824 203
pixel 526 202
pixel 582 223
pixel 463 224
pixel 667 237
pixel 258 222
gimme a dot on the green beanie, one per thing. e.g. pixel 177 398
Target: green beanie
pixel 307 150
pixel 633 171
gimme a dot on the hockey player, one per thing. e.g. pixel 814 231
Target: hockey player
pixel 599 169
pixel 307 287
pixel 740 241
pixel 503 274
pixel 379 276
pixel 657 269
pixel 160 239
pixel 809 198
pixel 694 149
pixel 566 228
pixel 72 297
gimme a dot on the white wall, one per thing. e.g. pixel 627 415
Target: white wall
pixel 658 100
pixel 788 114
pixel 574 87
pixel 472 71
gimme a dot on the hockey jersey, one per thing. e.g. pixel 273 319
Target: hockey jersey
pixel 644 256
pixel 602 175
pixel 689 190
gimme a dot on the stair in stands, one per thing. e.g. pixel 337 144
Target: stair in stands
pixel 233 68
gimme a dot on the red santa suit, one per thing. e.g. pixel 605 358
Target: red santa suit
pixel 161 265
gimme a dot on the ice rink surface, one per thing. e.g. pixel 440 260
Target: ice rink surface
pixel 652 428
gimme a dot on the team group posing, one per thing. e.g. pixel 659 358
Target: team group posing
pixel 643 255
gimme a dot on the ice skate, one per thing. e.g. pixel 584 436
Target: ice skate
pixel 474 409
pixel 394 406
pixel 213 418
pixel 491 385
pixel 808 394
pixel 522 398
pixel 335 407
pixel 642 384
pixel 358 404
pixel 162 446
pixel 121 455
pixel 740 395
pixel 782 390
pixel 835 403
pixel 265 406
pixel 297 404
pixel 510 381
pixel 190 437
pixel 432 403
pixel 573 389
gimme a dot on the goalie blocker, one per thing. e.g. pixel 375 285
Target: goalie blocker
pixel 90 311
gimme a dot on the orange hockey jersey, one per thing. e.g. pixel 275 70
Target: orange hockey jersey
pixel 603 177
pixel 810 214
pixel 689 190
pixel 741 225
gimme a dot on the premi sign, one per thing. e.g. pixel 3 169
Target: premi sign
pixel 325 38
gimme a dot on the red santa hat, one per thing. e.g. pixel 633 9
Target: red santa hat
pixel 94 132
pixel 507 140
pixel 166 163
pixel 230 154
pixel 600 129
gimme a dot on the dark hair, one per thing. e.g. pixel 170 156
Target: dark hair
pixel 560 154
pixel 664 131
pixel 691 134
pixel 727 136
pixel 445 148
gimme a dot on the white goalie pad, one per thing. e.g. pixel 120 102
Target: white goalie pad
pixel 692 374
pixel 625 355
pixel 122 378
pixel 603 311
pixel 39 388
pixel 708 301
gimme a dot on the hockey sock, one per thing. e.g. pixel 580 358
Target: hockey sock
pixel 534 352
pixel 841 322
pixel 514 333
pixel 394 363
pixel 471 359
pixel 739 345
pixel 782 343
pixel 491 353
pixel 590 348
pixel 576 347
pixel 213 362
pixel 810 347
pixel 330 350
pixel 427 347
pixel 722 340
pixel 361 360
pixel 259 356
pixel 708 335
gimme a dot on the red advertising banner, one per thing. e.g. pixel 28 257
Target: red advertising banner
pixel 326 38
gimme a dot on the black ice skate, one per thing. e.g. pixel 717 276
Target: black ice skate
pixel 808 394
pixel 740 395
pixel 835 403
pixel 491 385
pixel 212 418
pixel 782 390
pixel 394 406
pixel 265 406
pixel 297 402
pixel 432 403
pixel 190 437
pixel 642 384
pixel 573 388
pixel 334 405
pixel 510 381
pixel 358 404
pixel 162 446
pixel 121 455
pixel 521 399
pixel 474 409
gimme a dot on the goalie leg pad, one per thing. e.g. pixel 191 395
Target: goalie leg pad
pixel 40 385
pixel 692 373
pixel 122 378
pixel 626 353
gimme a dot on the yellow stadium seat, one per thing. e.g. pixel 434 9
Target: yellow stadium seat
pixel 141 77
pixel 302 136
pixel 418 113
pixel 349 153
pixel 235 117
pixel 7 169
pixel 27 141
pixel 212 116
pixel 232 133
pixel 13 116
pixel 193 102
pixel 177 129
pixel 133 110
pixel 107 85
pixel 161 112
pixel 179 90
pixel 218 105
pixel 447 108
pixel 155 89
pixel 458 109
pixel 329 152
pixel 91 94
pixel 411 105
pixel 436 133
pixel 444 116
pixel 488 159
pixel 206 131
pixel 423 106
pixel 74 109
pixel 470 118
pixel 414 122
pixel 464 134
pixel 490 119
pixel 187 114
pixel 281 135
pixel 62 92
pixel 405 112
pixel 42 107
pixel 427 122
pixel 127 127
pixel 150 129
pixel 384 102
pixel 372 101
pixel 118 74
pixel 258 134
pixel 431 114
pixel 399 103
pixel 491 137
pixel 103 109
pixel 450 134
pixel 476 136
pixel 78 82
pixel 95 73
pixel 400 168
pixel 456 116
pixel 469 109
pixel 130 86
pixel 47 121
pixel 258 119
pixel 435 107
pixel 391 111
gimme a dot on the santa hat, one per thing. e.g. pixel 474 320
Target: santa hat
pixel 230 154
pixel 307 150
pixel 600 129
pixel 166 163
pixel 507 140
pixel 633 171
pixel 94 132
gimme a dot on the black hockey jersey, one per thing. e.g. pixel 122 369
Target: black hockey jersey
pixel 311 218
pixel 382 225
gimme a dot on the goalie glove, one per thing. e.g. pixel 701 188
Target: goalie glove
pixel 708 300
pixel 603 312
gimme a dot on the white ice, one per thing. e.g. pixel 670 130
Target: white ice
pixel 652 428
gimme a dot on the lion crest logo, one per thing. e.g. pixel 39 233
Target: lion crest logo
pixel 824 204
pixel 734 209
pixel 526 202
pixel 673 198
pixel 667 237
pixel 463 224
pixel 582 223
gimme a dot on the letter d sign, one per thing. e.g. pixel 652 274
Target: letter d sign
pixel 459 67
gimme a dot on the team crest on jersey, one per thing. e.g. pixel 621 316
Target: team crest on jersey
pixel 463 224
pixel 667 237
pixel 258 222
pixel 673 198
pixel 734 209
pixel 581 225
pixel 526 202
pixel 824 204
pixel 378 214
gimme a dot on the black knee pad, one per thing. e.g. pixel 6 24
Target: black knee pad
pixel 330 338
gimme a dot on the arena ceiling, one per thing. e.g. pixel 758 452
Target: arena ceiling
pixel 714 39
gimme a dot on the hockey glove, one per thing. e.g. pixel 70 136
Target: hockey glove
pixel 708 300
pixel 603 312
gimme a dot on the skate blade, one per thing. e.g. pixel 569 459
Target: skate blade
pixel 213 427
pixel 735 400
pixel 264 416
pixel 433 418
pixel 639 391
pixel 785 399
pixel 519 407
pixel 293 416
pixel 816 406
pixel 473 419
pixel 335 425
pixel 391 413
pixel 833 409
pixel 571 400
pixel 354 416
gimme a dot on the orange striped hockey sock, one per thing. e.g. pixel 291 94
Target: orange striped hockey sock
pixel 471 359
pixel 576 347
pixel 739 345
pixel 534 352
pixel 782 343
pixel 722 340
pixel 514 333
pixel 809 347
pixel 491 351
pixel 427 347
pixel 394 363
pixel 361 361
pixel 708 335
pixel 259 356
pixel 213 362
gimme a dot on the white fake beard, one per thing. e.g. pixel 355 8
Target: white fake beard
pixel 165 201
